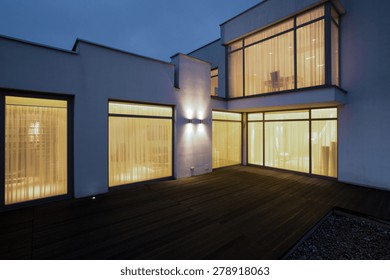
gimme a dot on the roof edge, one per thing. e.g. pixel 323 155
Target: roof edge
pixel 247 10
pixel 36 44
pixel 208 44
pixel 79 40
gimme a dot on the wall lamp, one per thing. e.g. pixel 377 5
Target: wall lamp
pixel 195 121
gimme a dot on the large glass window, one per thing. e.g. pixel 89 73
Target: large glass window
pixel 140 142
pixel 311 55
pixel 269 66
pixel 286 56
pixel 324 142
pixel 226 142
pixel 287 145
pixel 255 138
pixel 35 149
pixel 235 80
pixel 301 140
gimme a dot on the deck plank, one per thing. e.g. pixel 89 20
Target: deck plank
pixel 239 212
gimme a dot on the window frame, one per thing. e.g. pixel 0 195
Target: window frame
pixel 70 146
pixel 214 76
pixel 310 119
pixel 328 19
pixel 241 122
pixel 172 118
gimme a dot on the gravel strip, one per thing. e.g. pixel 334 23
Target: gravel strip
pixel 345 237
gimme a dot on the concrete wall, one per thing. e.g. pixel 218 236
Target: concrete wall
pixel 214 53
pixel 93 75
pixel 364 145
pixel 193 140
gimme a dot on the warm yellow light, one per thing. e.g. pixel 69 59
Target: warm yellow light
pixel 25 101
pixel 35 148
pixel 124 108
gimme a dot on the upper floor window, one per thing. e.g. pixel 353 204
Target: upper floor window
pixel 214 82
pixel 289 55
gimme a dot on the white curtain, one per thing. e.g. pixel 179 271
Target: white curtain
pixel 287 145
pixel 235 74
pixel 35 150
pixel 269 66
pixel 226 143
pixel 140 149
pixel 324 147
pixel 311 55
pixel 255 143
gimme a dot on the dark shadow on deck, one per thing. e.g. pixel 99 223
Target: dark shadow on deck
pixel 233 213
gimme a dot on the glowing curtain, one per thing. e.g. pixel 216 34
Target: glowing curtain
pixel 311 55
pixel 255 143
pixel 235 74
pixel 226 142
pixel 287 145
pixel 269 66
pixel 140 148
pixel 324 142
pixel 35 149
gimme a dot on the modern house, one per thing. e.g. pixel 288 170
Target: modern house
pixel 295 85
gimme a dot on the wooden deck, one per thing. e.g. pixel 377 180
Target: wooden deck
pixel 234 213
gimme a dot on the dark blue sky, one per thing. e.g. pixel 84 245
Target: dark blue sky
pixel 154 28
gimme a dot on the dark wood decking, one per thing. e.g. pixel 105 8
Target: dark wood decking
pixel 233 213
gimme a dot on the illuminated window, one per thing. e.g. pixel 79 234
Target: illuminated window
pixel 286 56
pixel 269 66
pixel 294 141
pixel 255 138
pixel 311 54
pixel 324 142
pixel 214 82
pixel 226 142
pixel 35 149
pixel 235 77
pixel 140 142
pixel 287 140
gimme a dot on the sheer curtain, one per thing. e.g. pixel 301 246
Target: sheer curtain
pixel 226 141
pixel 324 142
pixel 140 148
pixel 269 65
pixel 235 74
pixel 311 55
pixel 35 149
pixel 255 143
pixel 287 145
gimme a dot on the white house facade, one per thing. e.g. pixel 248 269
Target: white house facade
pixel 292 85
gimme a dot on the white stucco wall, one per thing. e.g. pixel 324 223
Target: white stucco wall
pixel 93 75
pixel 192 140
pixel 214 53
pixel 364 133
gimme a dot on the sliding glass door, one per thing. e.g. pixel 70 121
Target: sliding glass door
pixel 300 140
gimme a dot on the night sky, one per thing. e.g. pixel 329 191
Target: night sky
pixel 154 28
